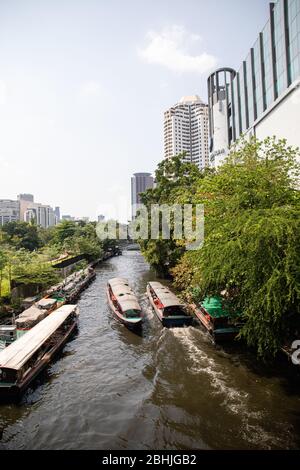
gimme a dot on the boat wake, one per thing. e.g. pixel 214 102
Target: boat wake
pixel 235 401
pixel 202 363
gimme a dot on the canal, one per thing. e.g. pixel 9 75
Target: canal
pixel 165 389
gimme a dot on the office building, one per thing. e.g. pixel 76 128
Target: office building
pixel 25 200
pixel 262 98
pixel 140 182
pixel 186 130
pixel 42 215
pixel 9 211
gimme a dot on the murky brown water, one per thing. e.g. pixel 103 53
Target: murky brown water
pixel 166 389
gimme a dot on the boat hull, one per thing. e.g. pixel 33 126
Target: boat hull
pixel 120 318
pixel 13 392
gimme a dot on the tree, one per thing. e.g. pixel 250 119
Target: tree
pixel 77 239
pixel 28 268
pixel 22 235
pixel 65 230
pixel 175 181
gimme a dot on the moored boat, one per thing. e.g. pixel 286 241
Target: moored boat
pixel 168 308
pixel 28 319
pixel 37 312
pixel 24 359
pixel 123 303
pixel 216 319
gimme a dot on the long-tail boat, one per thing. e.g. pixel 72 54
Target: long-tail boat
pixel 168 308
pixel 216 319
pixel 123 303
pixel 24 359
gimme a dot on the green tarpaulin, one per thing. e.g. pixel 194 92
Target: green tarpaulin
pixel 214 306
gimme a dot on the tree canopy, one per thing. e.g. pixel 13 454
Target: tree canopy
pixel 22 235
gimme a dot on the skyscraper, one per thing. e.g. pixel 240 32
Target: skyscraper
pixel 140 182
pixel 262 98
pixel 186 130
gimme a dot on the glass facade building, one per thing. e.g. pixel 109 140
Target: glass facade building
pixel 271 68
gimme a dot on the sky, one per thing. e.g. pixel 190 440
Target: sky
pixel 84 85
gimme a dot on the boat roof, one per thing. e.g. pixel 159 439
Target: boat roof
pixel 167 298
pixel 46 302
pixel 34 316
pixel 21 350
pixel 214 306
pixel 118 281
pixel 128 302
pixel 124 294
pixel 31 312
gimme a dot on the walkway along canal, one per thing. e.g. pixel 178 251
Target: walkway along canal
pixel 165 389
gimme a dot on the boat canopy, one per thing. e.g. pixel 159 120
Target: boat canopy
pixel 128 302
pixel 214 307
pixel 124 294
pixel 30 317
pixel 118 281
pixel 46 303
pixel 167 298
pixel 21 350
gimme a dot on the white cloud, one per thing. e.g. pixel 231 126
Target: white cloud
pixel 91 88
pixel 170 48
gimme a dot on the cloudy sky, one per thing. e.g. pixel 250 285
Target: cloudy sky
pixel 84 84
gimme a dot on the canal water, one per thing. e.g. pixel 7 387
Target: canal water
pixel 165 389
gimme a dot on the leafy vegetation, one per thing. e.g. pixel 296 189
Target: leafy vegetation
pixel 21 235
pixel 251 246
pixel 28 252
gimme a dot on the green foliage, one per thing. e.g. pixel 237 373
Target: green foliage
pixel 77 239
pixel 255 257
pixel 175 180
pixel 63 231
pixel 26 251
pixel 28 269
pixel 21 235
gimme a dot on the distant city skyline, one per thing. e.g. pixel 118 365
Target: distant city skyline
pixel 70 71
pixel 24 208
